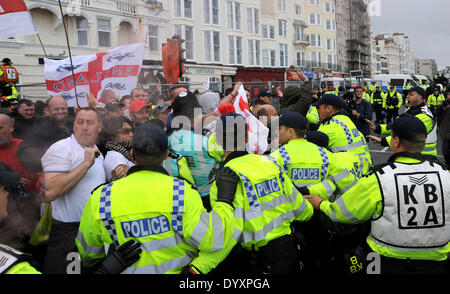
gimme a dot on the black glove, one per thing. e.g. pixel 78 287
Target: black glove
pixel 226 181
pixel 121 259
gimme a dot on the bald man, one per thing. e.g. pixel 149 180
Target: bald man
pixel 266 114
pixel 57 110
pixel 107 96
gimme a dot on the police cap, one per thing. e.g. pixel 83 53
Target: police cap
pixel 418 90
pixel 407 127
pixel 265 94
pixel 150 140
pixel 292 119
pixel 329 99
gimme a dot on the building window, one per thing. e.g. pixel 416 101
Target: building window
pixel 330 25
pixel 82 31
pixel 315 40
pixel 331 44
pixel 234 50
pixel 212 46
pixel 299 33
pixel 234 15
pixel 316 59
pixel 314 19
pixel 332 62
pixel 314 2
pixel 253 21
pixel 182 8
pixel 284 55
pixel 269 58
pixel 211 12
pixel 329 7
pixel 104 32
pixel 301 59
pixel 298 10
pixel 268 31
pixel 254 52
pixel 282 28
pixel 186 33
pixel 153 37
pixel 281 5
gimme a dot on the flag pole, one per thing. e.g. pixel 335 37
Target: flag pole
pixel 70 53
pixel 42 45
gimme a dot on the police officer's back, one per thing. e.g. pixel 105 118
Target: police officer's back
pixel 164 214
pixel 406 201
pixel 266 203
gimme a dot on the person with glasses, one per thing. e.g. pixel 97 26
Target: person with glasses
pixel 118 134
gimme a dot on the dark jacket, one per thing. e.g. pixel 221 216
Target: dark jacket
pixel 22 126
pixel 297 99
pixel 365 110
pixel 443 120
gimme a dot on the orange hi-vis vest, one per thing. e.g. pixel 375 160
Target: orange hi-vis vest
pixel 8 74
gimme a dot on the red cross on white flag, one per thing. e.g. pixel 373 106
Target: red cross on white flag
pixel 257 131
pixel 15 19
pixel 117 70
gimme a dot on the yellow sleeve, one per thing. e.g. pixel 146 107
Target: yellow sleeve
pixel 23 268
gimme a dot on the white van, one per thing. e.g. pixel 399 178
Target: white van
pixel 397 80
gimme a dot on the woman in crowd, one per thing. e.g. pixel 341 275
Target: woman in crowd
pixel 117 135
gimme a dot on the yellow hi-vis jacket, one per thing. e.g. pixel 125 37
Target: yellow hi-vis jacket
pixel 390 206
pixel 311 166
pixel 164 214
pixel 266 203
pixel 344 136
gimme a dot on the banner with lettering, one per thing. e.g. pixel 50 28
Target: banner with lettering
pixel 117 70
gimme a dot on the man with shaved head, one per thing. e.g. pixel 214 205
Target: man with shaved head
pixel 107 96
pixel 8 149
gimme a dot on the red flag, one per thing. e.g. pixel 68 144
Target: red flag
pixel 15 19
pixel 171 61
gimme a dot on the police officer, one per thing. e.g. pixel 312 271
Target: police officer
pixel 377 99
pixel 8 78
pixel 266 204
pixel 12 261
pixel 16 262
pixel 410 216
pixel 416 108
pixel 435 100
pixel 393 102
pixel 164 214
pixel 342 132
pixel 306 164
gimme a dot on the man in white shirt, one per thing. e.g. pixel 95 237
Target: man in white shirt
pixel 73 167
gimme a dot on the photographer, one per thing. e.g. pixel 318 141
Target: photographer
pixel 443 121
pixel 359 110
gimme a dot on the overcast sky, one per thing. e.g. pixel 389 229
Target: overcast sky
pixel 427 23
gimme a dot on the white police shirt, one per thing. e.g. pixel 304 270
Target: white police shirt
pixel 63 157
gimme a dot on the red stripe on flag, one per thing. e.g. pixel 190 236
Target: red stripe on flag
pixel 10 6
pixel 92 78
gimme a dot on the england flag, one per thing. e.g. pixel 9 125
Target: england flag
pixel 15 19
pixel 117 70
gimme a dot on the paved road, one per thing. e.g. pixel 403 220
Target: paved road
pixel 381 154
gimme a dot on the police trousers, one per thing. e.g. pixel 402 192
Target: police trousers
pixel 393 266
pixel 61 242
pixel 279 257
